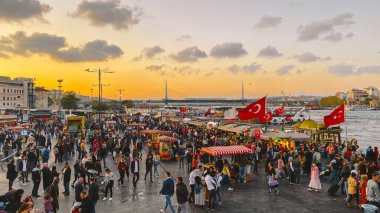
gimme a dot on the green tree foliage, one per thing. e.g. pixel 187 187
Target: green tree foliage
pixel 100 107
pixel 70 101
pixel 128 103
pixel 330 101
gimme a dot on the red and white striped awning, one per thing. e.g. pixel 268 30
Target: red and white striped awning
pixel 226 150
pixel 167 139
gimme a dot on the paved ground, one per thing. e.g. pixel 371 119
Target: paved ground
pixel 250 197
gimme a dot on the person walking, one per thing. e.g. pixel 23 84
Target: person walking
pixel 66 173
pixel 108 180
pixel 11 174
pixel 211 185
pixel 45 155
pixel 315 183
pixel 54 192
pixel 167 191
pixel 352 189
pixel 218 189
pixel 193 174
pixel 36 178
pixel 135 170
pixel 46 176
pixel 181 193
pixel 93 193
pixel 149 167
pixel 227 175
pixel 156 162
pixel 23 167
pixel 86 206
pixel 79 187
pixel 122 168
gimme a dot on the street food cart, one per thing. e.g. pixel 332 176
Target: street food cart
pixel 75 124
pixel 165 150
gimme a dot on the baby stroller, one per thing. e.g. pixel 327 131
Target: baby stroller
pixel 273 185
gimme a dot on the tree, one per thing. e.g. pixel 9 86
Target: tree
pixel 330 101
pixel 100 107
pixel 128 103
pixel 70 101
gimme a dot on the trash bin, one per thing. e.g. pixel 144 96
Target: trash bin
pixel 368 208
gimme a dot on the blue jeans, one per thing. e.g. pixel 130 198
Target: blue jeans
pixel 104 162
pixel 242 173
pixel 334 176
pixel 346 188
pixel 67 187
pixel 94 204
pixel 155 165
pixel 169 203
pixel 219 194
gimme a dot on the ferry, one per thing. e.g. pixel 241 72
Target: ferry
pixel 359 108
pixel 296 115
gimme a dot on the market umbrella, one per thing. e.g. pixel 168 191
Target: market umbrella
pixel 297 125
pixel 309 124
pixel 167 139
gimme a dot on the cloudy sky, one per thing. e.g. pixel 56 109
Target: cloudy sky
pixel 203 48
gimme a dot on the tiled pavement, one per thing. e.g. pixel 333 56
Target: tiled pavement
pixel 250 197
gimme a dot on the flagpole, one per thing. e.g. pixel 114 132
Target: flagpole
pixel 345 122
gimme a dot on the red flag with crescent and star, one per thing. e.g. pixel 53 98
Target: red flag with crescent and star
pixel 336 117
pixel 279 111
pixel 208 112
pixel 254 110
pixel 257 134
pixel 267 118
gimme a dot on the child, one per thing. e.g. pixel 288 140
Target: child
pixel 48 204
pixel 2 207
pixel 363 187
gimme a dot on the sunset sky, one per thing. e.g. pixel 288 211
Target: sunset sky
pixel 203 48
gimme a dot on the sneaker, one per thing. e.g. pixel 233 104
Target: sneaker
pixel 348 204
pixel 309 189
pixel 316 190
pixel 162 211
pixel 245 181
pixel 24 184
pixel 230 189
pixel 110 198
pixel 277 192
pixel 105 198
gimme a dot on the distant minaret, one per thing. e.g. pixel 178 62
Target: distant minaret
pixel 166 93
pixel 242 92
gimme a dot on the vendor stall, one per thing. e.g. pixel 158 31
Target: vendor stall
pixel 165 149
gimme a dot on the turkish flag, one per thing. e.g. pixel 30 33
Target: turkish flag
pixel 336 117
pixel 288 118
pixel 279 111
pixel 182 109
pixel 257 133
pixel 267 118
pixel 208 112
pixel 254 110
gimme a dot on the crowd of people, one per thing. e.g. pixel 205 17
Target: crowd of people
pixel 349 167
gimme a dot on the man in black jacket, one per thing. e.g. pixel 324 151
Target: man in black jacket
pixel 93 193
pixel 135 170
pixel 149 166
pixel 36 178
pixel 66 172
pixel 182 194
pixel 86 206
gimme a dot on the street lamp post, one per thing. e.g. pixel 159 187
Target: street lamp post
pixel 100 88
pixel 59 96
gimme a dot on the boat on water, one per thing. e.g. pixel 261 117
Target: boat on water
pixel 359 108
pixel 291 115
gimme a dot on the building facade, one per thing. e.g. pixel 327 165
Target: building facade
pixel 16 93
pixel 42 98
pixel 357 95
pixel 373 92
